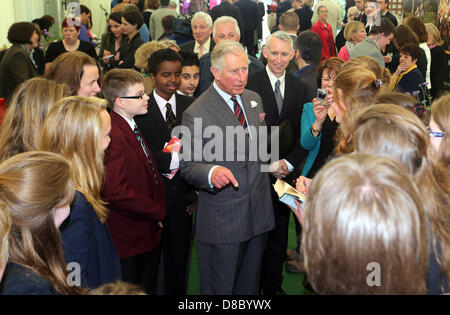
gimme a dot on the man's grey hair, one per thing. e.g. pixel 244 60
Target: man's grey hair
pixel 283 36
pixel 203 15
pixel 224 19
pixel 223 48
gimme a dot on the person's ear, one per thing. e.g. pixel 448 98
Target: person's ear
pixel 265 52
pixel 215 73
pixel 152 77
pixel 292 54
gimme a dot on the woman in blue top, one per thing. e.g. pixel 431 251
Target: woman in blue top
pixel 319 124
pixel 78 129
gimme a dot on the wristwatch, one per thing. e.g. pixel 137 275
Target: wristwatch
pixel 315 130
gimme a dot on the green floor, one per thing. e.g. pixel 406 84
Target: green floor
pixel 292 282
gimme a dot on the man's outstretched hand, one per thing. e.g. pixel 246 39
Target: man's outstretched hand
pixel 222 176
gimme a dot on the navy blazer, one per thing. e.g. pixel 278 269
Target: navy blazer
pixel 88 242
pixel 19 280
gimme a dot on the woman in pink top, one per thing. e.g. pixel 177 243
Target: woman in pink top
pixel 354 33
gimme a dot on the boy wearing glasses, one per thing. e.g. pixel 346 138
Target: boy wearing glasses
pixel 133 187
pixel 165 110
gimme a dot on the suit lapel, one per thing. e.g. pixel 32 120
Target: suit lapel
pixel 289 93
pixel 220 109
pixel 269 101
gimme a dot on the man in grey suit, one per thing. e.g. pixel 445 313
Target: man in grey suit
pixel 234 213
pixel 380 36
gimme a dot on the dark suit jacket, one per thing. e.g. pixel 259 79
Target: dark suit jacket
pixel 127 51
pixel 305 14
pixel 189 46
pixel 294 98
pixel 206 77
pixel 249 11
pixel 15 68
pixel 308 75
pixel 87 241
pixel 19 280
pixel 136 202
pixel 156 133
pixel 227 9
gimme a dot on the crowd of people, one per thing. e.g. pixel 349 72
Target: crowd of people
pixel 108 172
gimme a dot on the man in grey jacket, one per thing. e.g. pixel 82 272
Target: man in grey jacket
pixel 372 45
pixel 234 213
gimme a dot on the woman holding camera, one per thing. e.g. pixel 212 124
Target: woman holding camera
pixel 319 124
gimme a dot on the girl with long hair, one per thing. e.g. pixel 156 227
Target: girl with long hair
pixel 24 118
pixel 36 189
pixel 78 129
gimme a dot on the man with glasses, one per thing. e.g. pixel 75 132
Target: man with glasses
pixel 133 187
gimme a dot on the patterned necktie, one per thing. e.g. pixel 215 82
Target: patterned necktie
pixel 170 116
pixel 200 51
pixel 238 112
pixel 278 96
pixel 141 141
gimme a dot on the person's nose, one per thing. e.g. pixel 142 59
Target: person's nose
pixel 97 88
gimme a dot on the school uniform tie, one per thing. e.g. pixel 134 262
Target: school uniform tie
pixel 170 116
pixel 144 148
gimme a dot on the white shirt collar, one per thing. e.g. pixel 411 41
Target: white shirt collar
pixel 162 103
pixel 273 79
pixel 131 122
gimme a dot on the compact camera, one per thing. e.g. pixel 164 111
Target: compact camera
pixel 321 95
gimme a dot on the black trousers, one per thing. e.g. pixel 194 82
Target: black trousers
pixel 275 253
pixel 142 270
pixel 175 246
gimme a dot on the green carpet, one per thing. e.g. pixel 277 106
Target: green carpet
pixel 292 282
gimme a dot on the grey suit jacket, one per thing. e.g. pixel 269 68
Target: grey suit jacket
pixel 228 215
pixel 368 47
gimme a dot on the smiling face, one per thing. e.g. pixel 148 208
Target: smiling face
pixel 116 28
pixel 328 80
pixel 89 81
pixel 168 78
pixel 323 14
pixel 70 34
pixel 232 79
pixel 190 75
pixel 278 53
pixel 200 30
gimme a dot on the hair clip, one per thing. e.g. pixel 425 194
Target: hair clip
pixel 378 83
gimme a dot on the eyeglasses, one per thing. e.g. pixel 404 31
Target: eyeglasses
pixel 136 97
pixel 435 134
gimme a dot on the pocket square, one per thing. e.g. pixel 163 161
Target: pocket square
pixel 262 116
pixel 253 104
